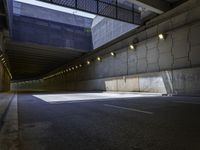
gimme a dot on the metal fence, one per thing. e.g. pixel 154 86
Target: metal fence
pixel 108 8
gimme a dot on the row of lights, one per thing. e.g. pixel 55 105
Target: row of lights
pixel 132 47
pixel 88 62
pixel 3 60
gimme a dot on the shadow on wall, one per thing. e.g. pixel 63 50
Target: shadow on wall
pixel 178 82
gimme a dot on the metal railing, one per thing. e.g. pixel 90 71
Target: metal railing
pixel 107 8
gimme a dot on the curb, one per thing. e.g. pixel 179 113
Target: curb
pixel 2 117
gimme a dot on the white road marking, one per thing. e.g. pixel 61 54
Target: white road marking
pixel 130 109
pixel 184 102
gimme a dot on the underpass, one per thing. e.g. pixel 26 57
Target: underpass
pixel 99 74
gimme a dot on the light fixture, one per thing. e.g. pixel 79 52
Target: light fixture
pixel 112 54
pixel 162 36
pixel 141 9
pixel 131 47
pixel 72 68
pixel 99 58
pixel 88 62
pixel 80 65
pixel 76 67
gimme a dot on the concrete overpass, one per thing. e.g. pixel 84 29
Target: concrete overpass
pixel 70 81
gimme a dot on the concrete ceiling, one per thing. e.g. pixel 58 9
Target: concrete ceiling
pixel 28 61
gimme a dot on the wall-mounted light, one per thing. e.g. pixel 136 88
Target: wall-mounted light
pixel 88 62
pixel 99 59
pixel 131 47
pixel 112 54
pixel 162 36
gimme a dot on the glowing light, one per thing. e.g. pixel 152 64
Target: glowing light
pixel 112 54
pixel 162 36
pixel 88 62
pixel 131 47
pixel 99 58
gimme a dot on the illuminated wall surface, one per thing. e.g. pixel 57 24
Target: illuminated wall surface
pixel 105 30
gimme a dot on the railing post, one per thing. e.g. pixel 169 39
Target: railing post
pixel 97 6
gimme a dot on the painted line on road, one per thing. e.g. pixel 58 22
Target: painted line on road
pixel 130 109
pixel 184 102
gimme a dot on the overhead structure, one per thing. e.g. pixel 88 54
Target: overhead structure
pixel 156 6
pixel 2 15
pixel 115 9
pixel 32 61
pixel 43 38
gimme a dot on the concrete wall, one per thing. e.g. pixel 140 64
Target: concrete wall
pixel 4 79
pixel 170 65
pixel 105 29
pixel 23 9
pixel 4 76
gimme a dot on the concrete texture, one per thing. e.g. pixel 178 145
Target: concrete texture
pixel 105 29
pixel 177 82
pixel 167 66
pixel 9 131
pixel 23 9
pixel 137 123
pixel 4 79
pixel 4 75
pixel 5 101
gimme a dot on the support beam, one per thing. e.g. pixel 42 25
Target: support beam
pixel 157 6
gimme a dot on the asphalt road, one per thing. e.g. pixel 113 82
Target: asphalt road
pixel 130 123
